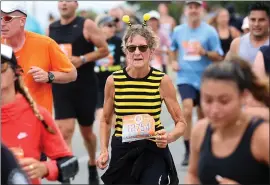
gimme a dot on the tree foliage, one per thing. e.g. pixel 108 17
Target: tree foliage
pixel 176 7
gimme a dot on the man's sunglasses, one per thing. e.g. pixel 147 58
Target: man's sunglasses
pixel 132 48
pixel 9 18
pixel 4 67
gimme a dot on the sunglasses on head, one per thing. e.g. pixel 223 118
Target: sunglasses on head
pixel 9 18
pixel 133 48
pixel 4 67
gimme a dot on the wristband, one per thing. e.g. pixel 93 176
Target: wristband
pixel 83 59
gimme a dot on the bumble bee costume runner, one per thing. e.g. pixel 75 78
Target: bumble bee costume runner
pixel 140 153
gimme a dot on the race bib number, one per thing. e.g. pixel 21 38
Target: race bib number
pixel 191 50
pixel 67 49
pixel 138 127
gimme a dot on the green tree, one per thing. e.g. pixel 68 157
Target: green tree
pixel 176 7
pixel 90 14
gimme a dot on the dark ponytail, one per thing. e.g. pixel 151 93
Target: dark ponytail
pixel 19 87
pixel 22 89
pixel 238 70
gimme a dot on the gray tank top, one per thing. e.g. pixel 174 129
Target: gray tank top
pixel 246 50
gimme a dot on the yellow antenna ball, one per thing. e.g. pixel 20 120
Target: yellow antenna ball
pixel 146 17
pixel 125 19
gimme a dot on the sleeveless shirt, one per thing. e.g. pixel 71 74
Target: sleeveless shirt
pixel 137 96
pixel 226 42
pixel 240 166
pixel 72 33
pixel 246 50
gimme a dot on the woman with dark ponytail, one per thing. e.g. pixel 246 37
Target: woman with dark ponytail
pixel 28 129
pixel 230 146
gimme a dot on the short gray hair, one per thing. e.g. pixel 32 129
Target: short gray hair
pixel 145 31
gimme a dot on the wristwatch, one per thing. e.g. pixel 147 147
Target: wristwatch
pixel 51 77
pixel 83 59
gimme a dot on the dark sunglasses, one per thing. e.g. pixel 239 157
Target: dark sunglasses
pixel 9 18
pixel 132 48
pixel 110 25
pixel 4 67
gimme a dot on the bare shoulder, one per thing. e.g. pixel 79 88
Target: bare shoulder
pixel 110 81
pixel 235 32
pixel 235 41
pixel 261 134
pixel 200 126
pixel 260 139
pixel 235 44
pixel 166 79
pixel 109 87
pixel 166 87
pixel 198 132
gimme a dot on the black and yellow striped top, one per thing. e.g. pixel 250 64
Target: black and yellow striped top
pixel 137 96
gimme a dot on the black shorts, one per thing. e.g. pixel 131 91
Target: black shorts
pixel 100 100
pixel 102 78
pixel 77 101
pixel 189 92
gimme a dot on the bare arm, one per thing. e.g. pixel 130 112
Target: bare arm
pixel 214 51
pixel 197 135
pixel 63 70
pixel 234 47
pixel 260 143
pixel 168 93
pixel 213 56
pixel 258 66
pixel 173 23
pixel 235 32
pixel 65 77
pixel 105 122
pixel 47 32
pixel 173 55
pixel 95 35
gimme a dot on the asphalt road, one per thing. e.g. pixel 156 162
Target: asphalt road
pixel 177 150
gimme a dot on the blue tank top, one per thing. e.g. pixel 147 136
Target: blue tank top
pixel 246 50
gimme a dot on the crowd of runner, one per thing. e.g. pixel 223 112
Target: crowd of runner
pixel 114 71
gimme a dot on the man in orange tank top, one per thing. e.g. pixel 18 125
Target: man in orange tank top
pixel 40 57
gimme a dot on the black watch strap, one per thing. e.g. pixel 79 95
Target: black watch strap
pixel 50 77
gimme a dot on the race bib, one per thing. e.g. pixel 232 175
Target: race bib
pixel 67 49
pixel 138 127
pixel 191 50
